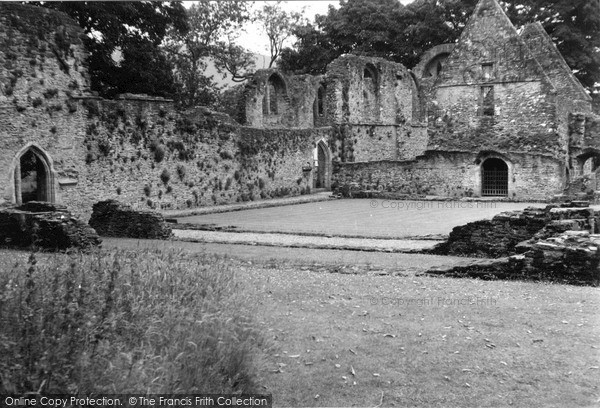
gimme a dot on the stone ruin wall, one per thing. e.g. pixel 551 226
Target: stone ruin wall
pixel 381 114
pixel 42 71
pixel 490 53
pixel 138 150
pixel 449 174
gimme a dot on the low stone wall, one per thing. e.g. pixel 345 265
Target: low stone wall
pixel 501 235
pixel 450 174
pixel 46 226
pixel 114 219
pixel 571 257
pixel 555 243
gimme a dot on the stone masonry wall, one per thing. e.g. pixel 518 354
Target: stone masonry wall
pixel 522 114
pixel 450 174
pixel 150 156
pixel 42 69
pixel 296 104
pixel 136 149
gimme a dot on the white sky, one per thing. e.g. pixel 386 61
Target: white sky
pixel 254 39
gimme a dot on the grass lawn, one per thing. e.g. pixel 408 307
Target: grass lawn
pixel 359 340
pixel 335 339
pixel 361 217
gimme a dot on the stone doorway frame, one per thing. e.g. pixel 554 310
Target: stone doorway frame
pixel 49 182
pixel 486 155
pixel 327 168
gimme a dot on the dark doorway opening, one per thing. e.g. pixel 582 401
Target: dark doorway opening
pixel 494 178
pixel 33 178
pixel 321 167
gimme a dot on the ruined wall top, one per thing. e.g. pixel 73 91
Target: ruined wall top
pixel 489 50
pixel 41 51
pixel 370 90
pixel 554 65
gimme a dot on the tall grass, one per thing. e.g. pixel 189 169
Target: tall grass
pixel 148 321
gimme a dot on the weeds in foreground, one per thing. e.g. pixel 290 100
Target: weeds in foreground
pixel 118 322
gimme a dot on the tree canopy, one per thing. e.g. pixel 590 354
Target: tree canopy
pixel 386 28
pixel 136 29
pixel 213 28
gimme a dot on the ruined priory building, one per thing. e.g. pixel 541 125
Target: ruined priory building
pixel 499 114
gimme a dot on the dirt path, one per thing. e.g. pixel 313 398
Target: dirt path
pixel 298 241
pixel 400 262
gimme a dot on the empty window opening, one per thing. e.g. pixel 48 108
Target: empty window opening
pixel 487 101
pixel 274 96
pixel 494 178
pixel 488 71
pixel 321 101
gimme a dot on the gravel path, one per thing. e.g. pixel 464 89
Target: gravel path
pixel 299 241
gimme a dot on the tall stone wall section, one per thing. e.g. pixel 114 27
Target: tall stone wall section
pixel 143 152
pixel 522 116
pixel 42 71
pixel 137 149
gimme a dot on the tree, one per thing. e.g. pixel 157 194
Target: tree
pixel 365 27
pixel 136 29
pixel 313 52
pixel 212 34
pixel 278 25
pixel 384 28
pixel 573 25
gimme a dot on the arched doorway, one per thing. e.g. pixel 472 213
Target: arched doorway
pixel 33 177
pixel 494 178
pixel 322 166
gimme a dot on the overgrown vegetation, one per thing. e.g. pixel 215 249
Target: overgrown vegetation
pixel 126 321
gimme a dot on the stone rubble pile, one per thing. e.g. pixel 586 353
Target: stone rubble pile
pixel 45 225
pixel 500 236
pixel 564 249
pixel 114 219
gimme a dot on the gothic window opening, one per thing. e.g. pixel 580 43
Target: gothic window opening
pixel 370 92
pixel 487 101
pixel 321 101
pixel 488 71
pixel 274 96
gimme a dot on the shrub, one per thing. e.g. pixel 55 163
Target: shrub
pixel 50 93
pixel 147 190
pixel 36 102
pixel 159 154
pixel 181 171
pixel 71 106
pixel 104 146
pixel 165 176
pixel 226 155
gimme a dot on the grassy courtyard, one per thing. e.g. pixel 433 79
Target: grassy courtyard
pixel 309 334
pixel 361 217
